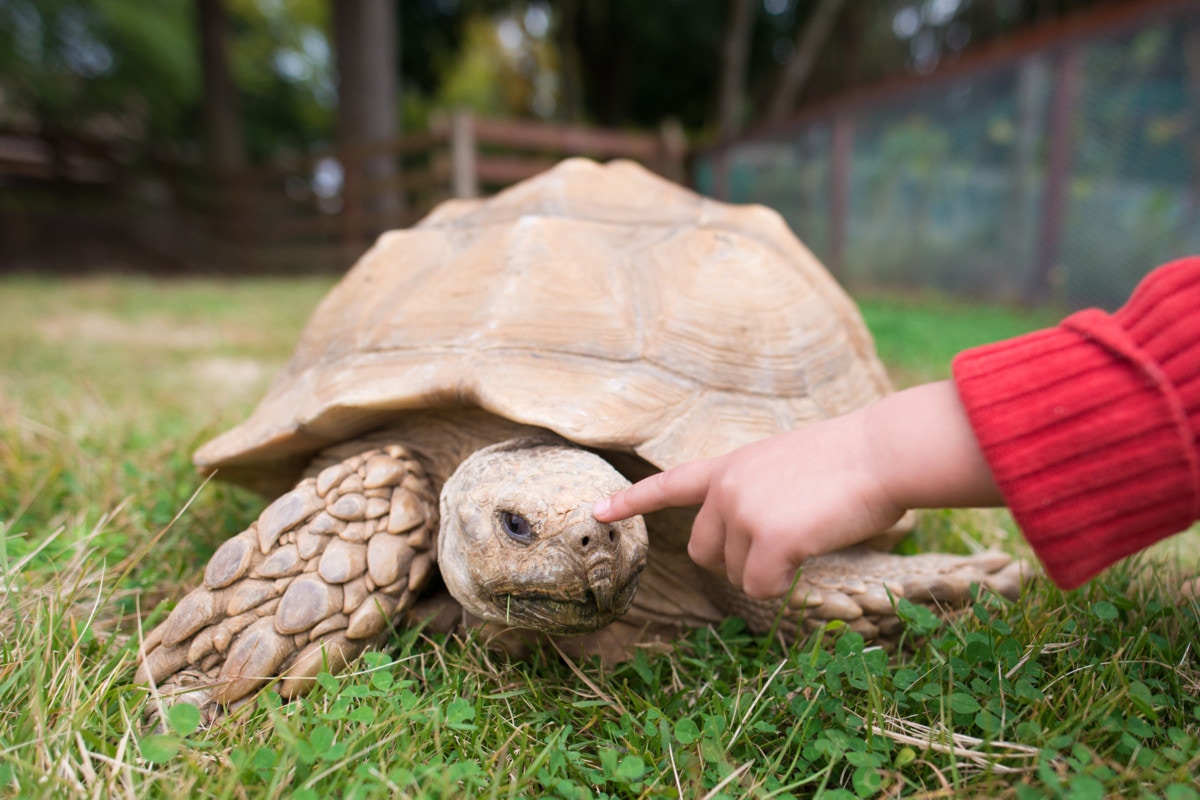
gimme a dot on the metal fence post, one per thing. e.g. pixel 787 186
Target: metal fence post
pixel 842 149
pixel 1063 104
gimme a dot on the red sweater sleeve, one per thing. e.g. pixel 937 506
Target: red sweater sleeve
pixel 1091 428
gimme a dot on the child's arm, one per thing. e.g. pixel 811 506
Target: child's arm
pixel 1090 431
pixel 769 505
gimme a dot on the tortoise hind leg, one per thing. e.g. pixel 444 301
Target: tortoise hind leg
pixel 860 586
pixel 307 587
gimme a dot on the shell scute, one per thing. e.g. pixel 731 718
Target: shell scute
pixel 647 297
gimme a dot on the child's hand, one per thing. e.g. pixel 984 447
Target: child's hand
pixel 766 507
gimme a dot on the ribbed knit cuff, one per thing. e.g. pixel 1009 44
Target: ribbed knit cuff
pixel 1090 441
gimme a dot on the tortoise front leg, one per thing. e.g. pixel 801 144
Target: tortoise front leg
pixel 306 588
pixel 860 586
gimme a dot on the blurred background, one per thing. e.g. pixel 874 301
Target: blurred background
pixel 1036 151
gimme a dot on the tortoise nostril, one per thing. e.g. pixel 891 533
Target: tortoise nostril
pixel 595 540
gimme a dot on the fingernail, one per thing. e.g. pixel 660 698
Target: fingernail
pixel 601 506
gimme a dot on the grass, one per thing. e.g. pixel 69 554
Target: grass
pixel 106 385
pixel 917 336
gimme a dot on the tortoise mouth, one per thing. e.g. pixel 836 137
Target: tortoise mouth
pixel 563 616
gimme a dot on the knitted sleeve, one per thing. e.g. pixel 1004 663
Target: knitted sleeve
pixel 1091 428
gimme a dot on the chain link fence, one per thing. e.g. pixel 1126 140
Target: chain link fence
pixel 1061 170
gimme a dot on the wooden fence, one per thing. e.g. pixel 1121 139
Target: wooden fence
pixel 68 203
pixel 320 211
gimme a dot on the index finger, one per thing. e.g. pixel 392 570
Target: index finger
pixel 685 485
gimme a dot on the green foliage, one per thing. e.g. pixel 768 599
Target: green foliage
pixel 282 63
pixel 70 66
pixel 128 70
pixel 489 78
pixel 1084 694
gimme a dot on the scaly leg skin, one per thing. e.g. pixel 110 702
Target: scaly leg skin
pixel 306 588
pixel 853 585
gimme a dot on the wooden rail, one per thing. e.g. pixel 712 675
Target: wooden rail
pixel 316 211
pixel 328 205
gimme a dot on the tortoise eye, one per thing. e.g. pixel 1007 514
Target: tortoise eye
pixel 516 526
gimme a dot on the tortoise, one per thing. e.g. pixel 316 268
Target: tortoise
pixel 474 383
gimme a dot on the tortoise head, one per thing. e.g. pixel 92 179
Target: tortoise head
pixel 519 546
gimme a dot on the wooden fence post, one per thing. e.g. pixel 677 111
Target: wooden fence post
pixel 720 165
pixel 673 148
pixel 464 177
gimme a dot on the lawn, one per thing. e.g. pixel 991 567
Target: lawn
pixel 107 385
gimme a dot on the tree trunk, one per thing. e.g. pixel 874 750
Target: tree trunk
pixel 224 145
pixel 365 37
pixel 809 42
pixel 602 41
pixel 735 57
pixel 572 80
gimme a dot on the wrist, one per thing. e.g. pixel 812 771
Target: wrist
pixel 923 451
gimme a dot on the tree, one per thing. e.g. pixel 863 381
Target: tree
pixel 101 70
pixel 731 97
pixel 225 144
pixel 365 44
pixel 640 63
pixel 368 93
pixel 810 38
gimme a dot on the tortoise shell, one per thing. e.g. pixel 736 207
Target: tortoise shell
pixel 599 301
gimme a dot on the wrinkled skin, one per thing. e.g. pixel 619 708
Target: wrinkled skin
pixel 520 547
pixel 330 565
